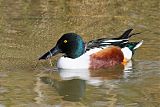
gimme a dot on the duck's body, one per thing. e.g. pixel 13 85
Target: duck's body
pixel 98 53
pixel 94 58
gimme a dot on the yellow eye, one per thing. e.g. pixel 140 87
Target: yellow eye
pixel 65 41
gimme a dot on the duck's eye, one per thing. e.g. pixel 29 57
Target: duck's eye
pixel 65 41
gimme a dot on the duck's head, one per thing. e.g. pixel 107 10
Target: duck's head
pixel 70 44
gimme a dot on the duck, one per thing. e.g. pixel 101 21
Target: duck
pixel 94 54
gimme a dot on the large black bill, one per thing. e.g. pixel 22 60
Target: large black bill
pixel 50 53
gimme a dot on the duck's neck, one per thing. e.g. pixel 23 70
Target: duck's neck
pixel 77 51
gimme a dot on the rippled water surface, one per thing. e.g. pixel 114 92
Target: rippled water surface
pixel 28 28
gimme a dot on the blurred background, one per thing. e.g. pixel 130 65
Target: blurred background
pixel 29 28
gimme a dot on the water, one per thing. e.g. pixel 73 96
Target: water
pixel 28 28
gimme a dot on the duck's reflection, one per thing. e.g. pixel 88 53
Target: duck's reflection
pixel 72 83
pixel 71 90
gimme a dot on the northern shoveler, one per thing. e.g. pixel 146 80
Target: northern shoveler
pixel 99 53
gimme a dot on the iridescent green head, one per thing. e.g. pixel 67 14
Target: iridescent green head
pixel 70 44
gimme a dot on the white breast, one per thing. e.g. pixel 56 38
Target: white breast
pixel 81 62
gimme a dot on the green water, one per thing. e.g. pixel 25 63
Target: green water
pixel 28 28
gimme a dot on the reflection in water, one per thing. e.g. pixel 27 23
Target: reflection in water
pixel 72 83
pixel 71 90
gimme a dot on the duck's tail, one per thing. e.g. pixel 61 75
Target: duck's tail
pixel 134 45
pixel 127 34
pixel 129 49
